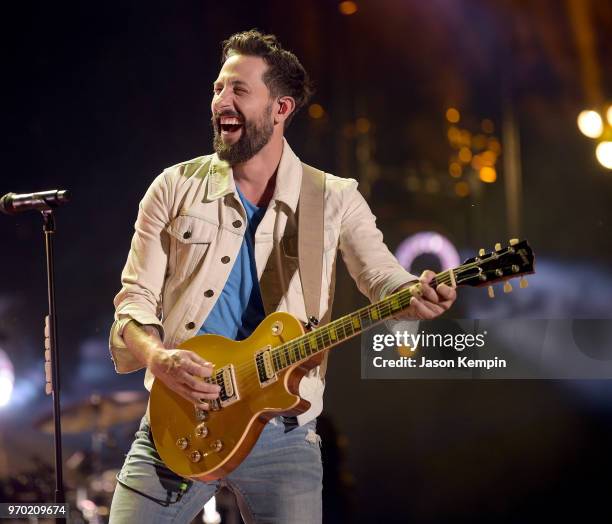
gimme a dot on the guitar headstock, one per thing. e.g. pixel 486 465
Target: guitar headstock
pixel 514 260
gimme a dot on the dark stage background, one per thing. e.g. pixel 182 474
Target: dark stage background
pixel 100 97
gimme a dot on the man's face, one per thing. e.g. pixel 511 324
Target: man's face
pixel 241 109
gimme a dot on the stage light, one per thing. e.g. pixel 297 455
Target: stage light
pixel 603 152
pixel 316 111
pixel 487 126
pixel 452 115
pixel 462 189
pixel 465 155
pixel 590 123
pixel 487 174
pixel 347 8
pixel 609 115
pixel 455 170
pixel 427 242
pixel 7 379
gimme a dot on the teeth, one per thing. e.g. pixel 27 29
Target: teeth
pixel 229 120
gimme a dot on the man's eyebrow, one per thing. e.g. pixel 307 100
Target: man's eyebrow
pixel 233 82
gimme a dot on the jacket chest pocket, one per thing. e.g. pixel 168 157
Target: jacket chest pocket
pixel 190 240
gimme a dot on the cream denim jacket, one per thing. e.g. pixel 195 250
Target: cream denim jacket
pixel 188 233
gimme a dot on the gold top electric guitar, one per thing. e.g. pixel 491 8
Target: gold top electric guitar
pixel 259 376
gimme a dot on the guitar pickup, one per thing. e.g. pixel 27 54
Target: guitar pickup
pixel 265 366
pixel 225 378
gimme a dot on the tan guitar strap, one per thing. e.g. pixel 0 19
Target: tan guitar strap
pixel 311 229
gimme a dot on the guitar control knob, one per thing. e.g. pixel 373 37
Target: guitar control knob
pixel 497 247
pixel 491 292
pixel 507 287
pixel 195 456
pixel 523 283
pixel 481 252
pixel 201 415
pixel 514 241
pixel 201 430
pixel 182 443
pixel 217 445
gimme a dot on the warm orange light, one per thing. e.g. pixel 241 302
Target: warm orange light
pixel 454 135
pixel 462 189
pixel 452 115
pixel 316 111
pixel 347 8
pixel 362 125
pixel 487 126
pixel 466 138
pixel 488 158
pixel 455 170
pixel 465 155
pixel 487 174
pixel 477 162
pixel 495 146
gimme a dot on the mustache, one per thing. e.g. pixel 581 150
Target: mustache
pixel 227 113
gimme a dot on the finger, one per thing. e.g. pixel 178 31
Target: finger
pixel 195 369
pixel 198 385
pixel 429 294
pixel 199 360
pixel 446 292
pixel 425 310
pixel 184 392
pixel 427 276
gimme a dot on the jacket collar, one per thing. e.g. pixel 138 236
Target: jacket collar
pixel 220 179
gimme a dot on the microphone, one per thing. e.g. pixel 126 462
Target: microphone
pixel 13 203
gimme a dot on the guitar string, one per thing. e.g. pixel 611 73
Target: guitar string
pixel 383 307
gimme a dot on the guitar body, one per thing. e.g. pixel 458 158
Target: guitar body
pixel 210 448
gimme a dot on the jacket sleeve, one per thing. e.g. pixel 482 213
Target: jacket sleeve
pixel 373 267
pixel 142 278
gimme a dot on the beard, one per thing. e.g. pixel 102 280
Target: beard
pixel 254 136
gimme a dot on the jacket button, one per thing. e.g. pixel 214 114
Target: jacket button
pixel 225 259
pixel 190 325
pixel 236 223
pixel 187 234
pixel 209 293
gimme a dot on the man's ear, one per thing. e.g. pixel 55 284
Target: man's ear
pixel 283 107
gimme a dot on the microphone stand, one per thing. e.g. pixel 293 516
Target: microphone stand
pixel 49 231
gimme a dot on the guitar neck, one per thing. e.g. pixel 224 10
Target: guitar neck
pixel 348 326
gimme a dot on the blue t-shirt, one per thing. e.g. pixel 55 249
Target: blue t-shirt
pixel 239 309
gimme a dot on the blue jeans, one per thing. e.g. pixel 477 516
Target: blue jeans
pixel 280 481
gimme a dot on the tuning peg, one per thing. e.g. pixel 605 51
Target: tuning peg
pixel 514 241
pixel 523 283
pixel 491 292
pixel 497 246
pixel 507 287
pixel 481 252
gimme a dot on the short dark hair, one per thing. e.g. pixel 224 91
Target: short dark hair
pixel 285 75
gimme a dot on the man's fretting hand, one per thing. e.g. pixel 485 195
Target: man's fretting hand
pixel 183 372
pixel 432 302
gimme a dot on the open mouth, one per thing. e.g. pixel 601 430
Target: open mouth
pixel 229 125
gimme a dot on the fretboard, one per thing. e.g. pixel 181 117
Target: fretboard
pixel 348 326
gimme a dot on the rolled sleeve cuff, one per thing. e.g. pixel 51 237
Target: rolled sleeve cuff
pixel 122 358
pixel 395 281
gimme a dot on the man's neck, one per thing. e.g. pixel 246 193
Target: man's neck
pixel 256 177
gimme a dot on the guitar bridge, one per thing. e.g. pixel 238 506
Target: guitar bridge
pixel 265 366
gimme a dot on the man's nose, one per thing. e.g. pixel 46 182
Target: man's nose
pixel 222 101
